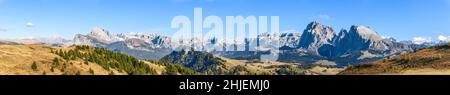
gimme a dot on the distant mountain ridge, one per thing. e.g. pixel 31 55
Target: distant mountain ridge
pixel 317 42
pixel 144 46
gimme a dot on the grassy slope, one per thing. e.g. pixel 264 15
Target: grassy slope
pixel 433 60
pixel 18 60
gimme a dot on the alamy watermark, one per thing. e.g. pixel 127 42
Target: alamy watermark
pixel 238 33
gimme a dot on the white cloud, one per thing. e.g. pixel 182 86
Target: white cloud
pixel 421 40
pixel 444 38
pixel 290 31
pixel 386 37
pixel 321 17
pixel 324 16
pixel 29 24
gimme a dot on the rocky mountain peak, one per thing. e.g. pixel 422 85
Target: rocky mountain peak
pixel 365 32
pixel 315 36
pixel 99 32
pixel 320 30
pixel 103 35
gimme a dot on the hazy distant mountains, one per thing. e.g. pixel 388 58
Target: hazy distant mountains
pixel 144 46
pixel 317 43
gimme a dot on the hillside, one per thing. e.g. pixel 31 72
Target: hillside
pixel 432 60
pixel 77 60
pixel 85 60
pixel 211 64
pixel 18 60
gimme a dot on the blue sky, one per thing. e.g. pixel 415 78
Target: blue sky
pixel 401 19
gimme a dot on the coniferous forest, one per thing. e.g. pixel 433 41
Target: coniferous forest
pixel 107 59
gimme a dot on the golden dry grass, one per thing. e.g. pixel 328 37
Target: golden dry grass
pixel 317 70
pixel 433 60
pixel 17 60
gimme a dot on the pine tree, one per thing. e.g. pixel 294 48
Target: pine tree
pixel 91 71
pixel 34 66
pixel 349 66
pixel 55 62
pixel 52 69
pixel 408 58
pixel 86 62
pixel 111 73
pixel 64 65
pixel 78 73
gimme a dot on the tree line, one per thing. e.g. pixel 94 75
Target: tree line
pixel 106 59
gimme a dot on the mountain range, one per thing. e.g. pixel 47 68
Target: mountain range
pixel 317 44
pixel 358 44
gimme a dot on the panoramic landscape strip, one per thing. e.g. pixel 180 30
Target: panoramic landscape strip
pixel 216 37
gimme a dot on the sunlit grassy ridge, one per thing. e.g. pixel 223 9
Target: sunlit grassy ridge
pixel 432 60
